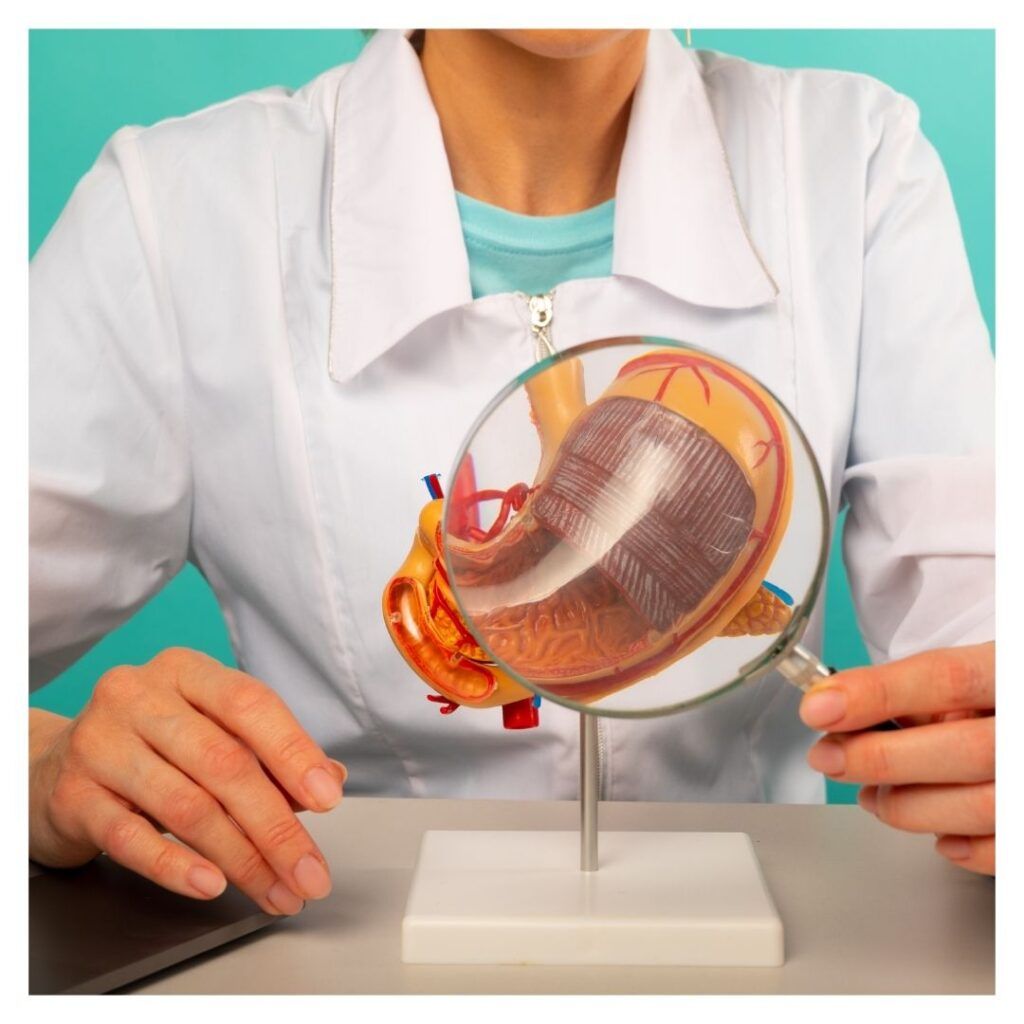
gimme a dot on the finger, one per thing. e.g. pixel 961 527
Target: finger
pixel 975 853
pixel 134 843
pixel 173 800
pixel 255 714
pixel 226 768
pixel 964 810
pixel 952 679
pixel 336 768
pixel 957 751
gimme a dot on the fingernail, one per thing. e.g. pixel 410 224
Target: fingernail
pixel 821 708
pixel 323 787
pixel 954 847
pixel 827 757
pixel 868 798
pixel 205 880
pixel 312 877
pixel 282 899
pixel 342 769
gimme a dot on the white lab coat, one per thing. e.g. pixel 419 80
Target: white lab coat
pixel 253 334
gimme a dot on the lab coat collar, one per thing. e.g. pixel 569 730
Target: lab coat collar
pixel 678 222
pixel 397 251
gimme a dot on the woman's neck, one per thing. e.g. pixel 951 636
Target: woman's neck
pixel 532 134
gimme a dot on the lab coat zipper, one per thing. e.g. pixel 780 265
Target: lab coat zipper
pixel 541 309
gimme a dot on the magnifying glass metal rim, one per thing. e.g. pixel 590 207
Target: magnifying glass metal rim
pixel 752 670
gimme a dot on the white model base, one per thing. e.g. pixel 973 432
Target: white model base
pixel 680 898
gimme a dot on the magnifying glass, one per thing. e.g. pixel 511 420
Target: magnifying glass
pixel 640 526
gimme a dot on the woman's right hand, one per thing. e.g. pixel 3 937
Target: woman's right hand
pixel 210 755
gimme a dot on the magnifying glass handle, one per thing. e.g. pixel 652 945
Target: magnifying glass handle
pixel 805 670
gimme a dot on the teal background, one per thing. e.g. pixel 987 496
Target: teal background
pixel 84 85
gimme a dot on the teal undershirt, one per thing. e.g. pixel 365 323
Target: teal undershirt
pixel 511 252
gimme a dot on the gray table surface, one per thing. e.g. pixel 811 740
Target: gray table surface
pixel 865 909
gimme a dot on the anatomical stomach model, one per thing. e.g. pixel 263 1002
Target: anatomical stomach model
pixel 648 529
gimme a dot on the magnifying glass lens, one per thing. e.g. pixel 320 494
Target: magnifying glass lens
pixel 635 526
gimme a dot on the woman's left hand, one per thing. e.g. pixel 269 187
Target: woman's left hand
pixel 938 773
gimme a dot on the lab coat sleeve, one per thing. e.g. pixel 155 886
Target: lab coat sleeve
pixel 919 537
pixel 109 475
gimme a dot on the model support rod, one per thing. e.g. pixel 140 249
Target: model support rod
pixel 590 768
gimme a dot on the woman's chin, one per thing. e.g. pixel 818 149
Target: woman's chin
pixel 562 43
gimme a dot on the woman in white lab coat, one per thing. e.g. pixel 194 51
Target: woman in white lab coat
pixel 254 329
